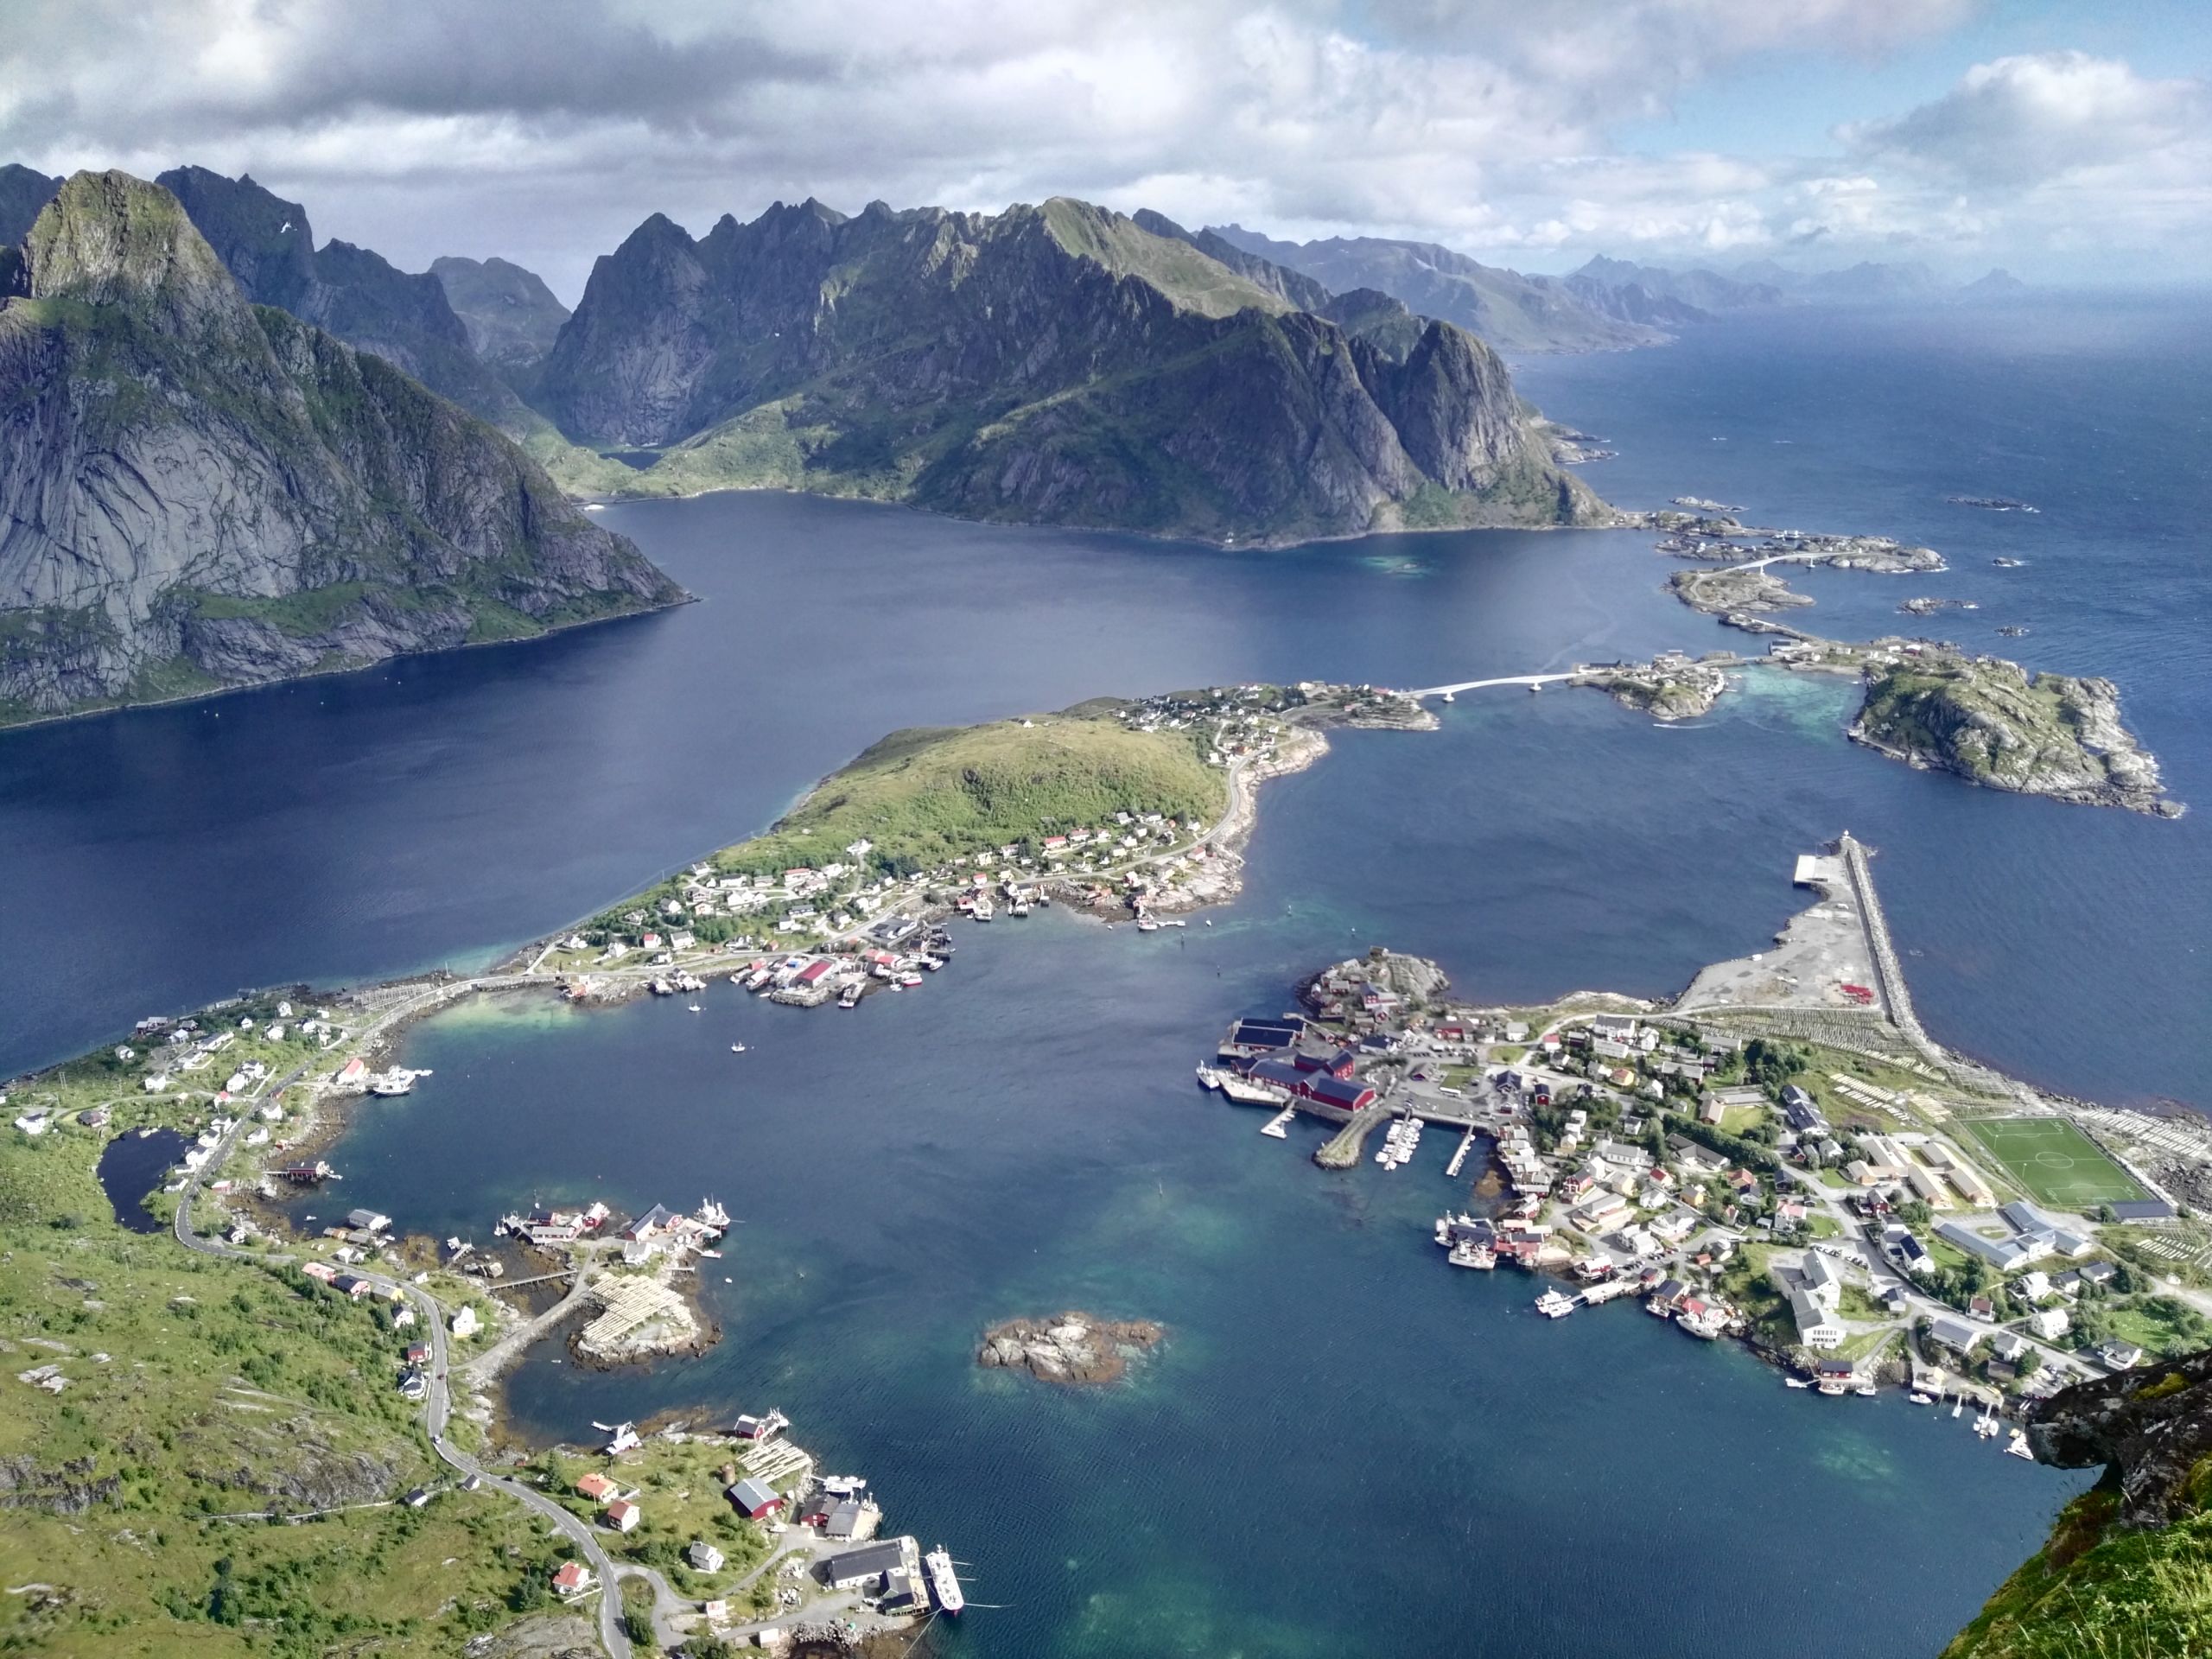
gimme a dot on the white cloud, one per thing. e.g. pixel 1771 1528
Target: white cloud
pixel 2023 120
pixel 545 131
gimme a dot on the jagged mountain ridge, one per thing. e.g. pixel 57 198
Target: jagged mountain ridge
pixel 196 492
pixel 1058 363
pixel 362 298
pixel 1512 312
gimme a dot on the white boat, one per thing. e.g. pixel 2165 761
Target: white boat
pixel 1920 1399
pixel 1274 1129
pixel 1208 1077
pixel 1865 1390
pixel 1553 1305
pixel 1796 1382
pixel 737 1048
pixel 695 1008
pixel 2018 1446
pixel 1146 925
pixel 909 979
pixel 945 1583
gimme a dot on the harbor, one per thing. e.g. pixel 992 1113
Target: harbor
pixel 1693 1156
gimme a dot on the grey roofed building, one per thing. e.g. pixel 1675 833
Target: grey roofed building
pixel 369 1221
pixel 844 1519
pixel 2026 1217
pixel 1954 1333
pixel 2004 1254
pixel 852 1568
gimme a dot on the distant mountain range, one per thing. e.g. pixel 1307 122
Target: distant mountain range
pixel 1512 312
pixel 1763 283
pixel 512 318
pixel 1060 364
pixel 197 492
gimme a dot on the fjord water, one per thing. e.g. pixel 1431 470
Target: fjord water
pixel 1344 1447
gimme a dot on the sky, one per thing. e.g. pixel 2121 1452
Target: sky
pixel 2068 140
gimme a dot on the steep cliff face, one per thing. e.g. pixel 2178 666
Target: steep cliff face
pixel 358 295
pixel 24 192
pixel 197 493
pixel 2128 1569
pixel 512 318
pixel 1058 363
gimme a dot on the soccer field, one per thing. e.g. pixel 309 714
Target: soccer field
pixel 2054 1161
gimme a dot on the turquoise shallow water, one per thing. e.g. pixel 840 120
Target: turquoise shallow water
pixel 1344 1448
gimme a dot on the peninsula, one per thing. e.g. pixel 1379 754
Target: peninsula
pixel 1781 1153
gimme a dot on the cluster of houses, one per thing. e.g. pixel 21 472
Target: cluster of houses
pixel 774 1483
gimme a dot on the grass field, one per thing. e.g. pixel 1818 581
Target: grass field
pixel 2055 1162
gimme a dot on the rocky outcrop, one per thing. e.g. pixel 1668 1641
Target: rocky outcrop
pixel 1994 722
pixel 1056 364
pixel 2125 1569
pixel 512 318
pixel 1071 1347
pixel 2150 1429
pixel 195 493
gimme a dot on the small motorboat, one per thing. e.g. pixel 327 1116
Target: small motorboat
pixel 737 1048
pixel 695 1008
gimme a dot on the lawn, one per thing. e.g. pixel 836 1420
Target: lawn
pixel 2054 1161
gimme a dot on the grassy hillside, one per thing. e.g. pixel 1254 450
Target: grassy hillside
pixel 199 1390
pixel 2101 1590
pixel 928 799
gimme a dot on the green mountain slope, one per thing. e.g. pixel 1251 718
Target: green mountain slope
pixel 1057 364
pixel 196 492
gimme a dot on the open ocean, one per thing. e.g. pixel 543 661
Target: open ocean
pixel 1344 1448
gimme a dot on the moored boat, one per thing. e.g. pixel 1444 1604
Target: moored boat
pixel 945 1583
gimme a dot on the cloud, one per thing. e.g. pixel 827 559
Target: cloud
pixel 2023 120
pixel 545 131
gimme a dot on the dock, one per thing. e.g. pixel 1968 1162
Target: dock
pixel 1467 1142
pixel 1343 1149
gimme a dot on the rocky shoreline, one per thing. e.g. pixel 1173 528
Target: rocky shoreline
pixel 1071 1348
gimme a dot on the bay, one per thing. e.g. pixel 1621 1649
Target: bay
pixel 1344 1446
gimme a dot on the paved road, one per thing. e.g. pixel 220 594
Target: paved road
pixel 437 1406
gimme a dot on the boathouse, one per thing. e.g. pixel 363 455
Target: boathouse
pixel 755 1498
pixel 1324 1088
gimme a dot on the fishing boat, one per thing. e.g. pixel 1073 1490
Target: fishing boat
pixel 909 979
pixel 851 999
pixel 1553 1305
pixel 1146 925
pixel 1796 1382
pixel 945 1583
pixel 1468 1254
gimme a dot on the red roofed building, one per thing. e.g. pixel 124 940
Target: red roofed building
pixel 596 1487
pixel 571 1579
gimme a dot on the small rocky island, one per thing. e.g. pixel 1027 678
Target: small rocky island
pixel 1071 1347
pixel 1996 724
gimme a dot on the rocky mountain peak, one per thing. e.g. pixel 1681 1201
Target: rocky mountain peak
pixel 107 238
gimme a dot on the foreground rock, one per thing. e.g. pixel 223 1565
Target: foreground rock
pixel 1071 1347
pixel 2125 1571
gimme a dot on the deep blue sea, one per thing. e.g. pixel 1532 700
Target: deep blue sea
pixel 1344 1448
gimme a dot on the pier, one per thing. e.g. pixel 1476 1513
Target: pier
pixel 1467 1142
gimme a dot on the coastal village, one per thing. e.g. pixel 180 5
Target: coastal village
pixel 1779 1155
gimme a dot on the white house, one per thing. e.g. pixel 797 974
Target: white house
pixel 1816 1326
pixel 2049 1323
pixel 464 1321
